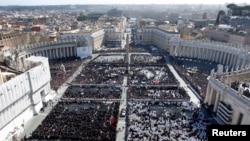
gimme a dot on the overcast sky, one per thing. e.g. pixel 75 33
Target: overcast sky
pixel 63 2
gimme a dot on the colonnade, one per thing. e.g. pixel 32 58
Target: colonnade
pixel 53 53
pixel 234 58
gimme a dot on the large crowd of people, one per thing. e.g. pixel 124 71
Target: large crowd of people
pixel 109 50
pixel 165 121
pixel 195 72
pixel 157 108
pixel 151 75
pixel 114 58
pixel 146 59
pixel 93 92
pixel 62 69
pixel 86 121
pixel 100 74
pixel 149 49
pixel 160 93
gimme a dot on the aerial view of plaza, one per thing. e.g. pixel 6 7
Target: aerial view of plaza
pixel 122 71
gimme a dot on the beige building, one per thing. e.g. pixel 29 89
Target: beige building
pixel 90 37
pixel 224 36
pixel 22 96
pixel 158 36
pixel 228 97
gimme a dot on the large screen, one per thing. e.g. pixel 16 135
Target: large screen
pixel 84 52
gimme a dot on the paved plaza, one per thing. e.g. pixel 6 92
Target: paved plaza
pixel 100 101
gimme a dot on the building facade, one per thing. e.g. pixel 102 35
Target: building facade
pixel 155 36
pixel 229 102
pixel 22 97
pixel 93 38
pixel 227 91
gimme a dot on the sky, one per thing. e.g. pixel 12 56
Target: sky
pixel 64 2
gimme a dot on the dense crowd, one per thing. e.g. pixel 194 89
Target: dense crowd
pixel 93 92
pixel 150 49
pixel 62 69
pixel 194 72
pixel 165 121
pixel 114 58
pixel 146 59
pixel 100 74
pixel 88 121
pixel 139 49
pixel 151 75
pixel 78 117
pixel 110 50
pixel 161 93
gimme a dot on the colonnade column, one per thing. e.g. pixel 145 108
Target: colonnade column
pixel 243 62
pixel 237 63
pixel 230 60
pixel 50 54
pixel 171 50
pixel 75 53
pixel 67 51
pixel 211 96
pixel 217 100
pixel 213 56
pixel 234 62
pixel 63 54
pixel 207 93
pixel 204 53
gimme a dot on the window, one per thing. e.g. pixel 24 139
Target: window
pixel 240 119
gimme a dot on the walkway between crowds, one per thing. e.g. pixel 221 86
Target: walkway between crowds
pixel 121 125
pixel 183 84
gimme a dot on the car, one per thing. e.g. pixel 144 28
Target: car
pixel 123 113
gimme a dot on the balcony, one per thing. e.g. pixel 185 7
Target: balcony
pixel 225 112
pixel 226 107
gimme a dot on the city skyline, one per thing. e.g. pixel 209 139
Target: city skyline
pixel 73 2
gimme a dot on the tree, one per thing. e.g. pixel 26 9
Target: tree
pixel 220 17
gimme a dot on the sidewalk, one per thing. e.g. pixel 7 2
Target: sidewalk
pixel 121 125
pixel 183 84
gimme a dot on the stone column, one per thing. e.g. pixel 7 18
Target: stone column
pixel 63 52
pixel 224 58
pixel 243 62
pixel 69 50
pixel 66 52
pixel 211 97
pixel 75 51
pixel 57 53
pixel 237 63
pixel 193 52
pixel 230 60
pixel 205 53
pixel 213 56
pixel 234 62
pixel 216 56
pixel 217 100
pixel 171 50
pixel 208 93
pixel 53 53
pixel 49 54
